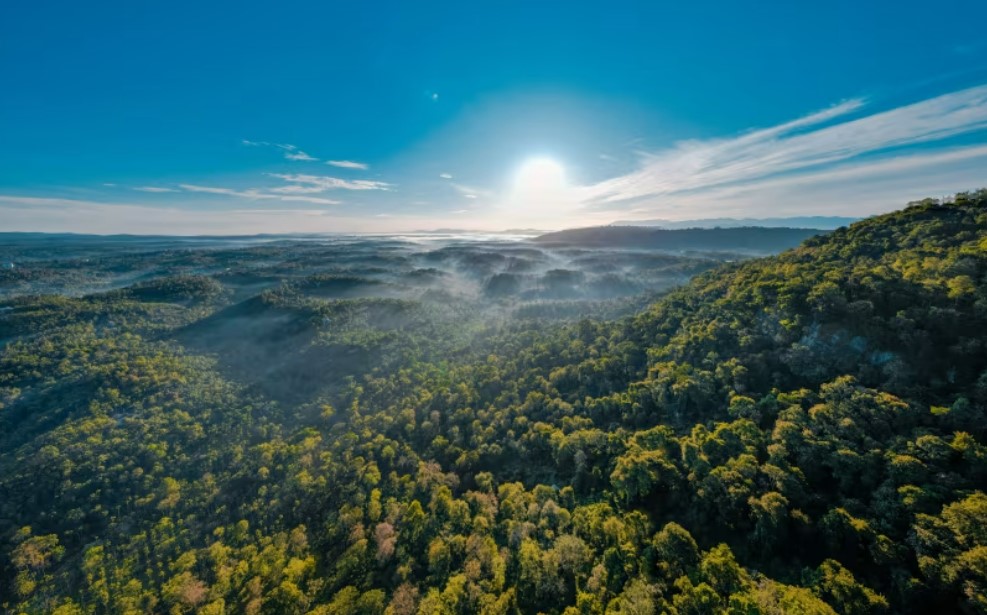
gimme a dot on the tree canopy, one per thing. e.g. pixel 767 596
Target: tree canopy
pixel 797 433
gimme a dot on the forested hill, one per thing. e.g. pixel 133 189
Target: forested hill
pixel 802 433
pixel 761 240
pixel 895 300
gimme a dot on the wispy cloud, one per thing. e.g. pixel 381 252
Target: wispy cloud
pixel 299 155
pixel 300 188
pixel 253 193
pixel 154 189
pixel 291 152
pixel 471 192
pixel 811 144
pixel 217 190
pixel 348 164
pixel 311 199
pixel 23 213
pixel 282 212
pixel 852 189
pixel 445 176
pixel 320 183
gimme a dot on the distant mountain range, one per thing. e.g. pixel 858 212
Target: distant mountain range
pixel 752 239
pixel 813 222
pixel 466 231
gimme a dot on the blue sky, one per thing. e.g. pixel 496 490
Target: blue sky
pixel 242 117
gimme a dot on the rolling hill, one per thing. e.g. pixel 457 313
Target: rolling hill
pixel 801 433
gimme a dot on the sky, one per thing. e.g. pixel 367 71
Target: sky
pixel 258 117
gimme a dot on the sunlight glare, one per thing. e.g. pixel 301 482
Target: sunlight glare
pixel 539 176
pixel 541 194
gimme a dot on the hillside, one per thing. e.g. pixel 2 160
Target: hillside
pixel 753 239
pixel 801 433
pixel 813 222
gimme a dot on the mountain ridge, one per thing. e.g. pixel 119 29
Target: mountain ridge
pixel 813 222
pixel 755 239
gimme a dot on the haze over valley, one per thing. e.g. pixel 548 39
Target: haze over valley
pixel 445 308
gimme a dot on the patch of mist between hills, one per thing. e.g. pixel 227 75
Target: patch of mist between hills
pixel 42 279
pixel 333 289
pixel 348 287
pixel 473 271
pixel 434 271
pixel 526 273
pixel 505 271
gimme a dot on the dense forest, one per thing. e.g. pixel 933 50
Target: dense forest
pixel 367 427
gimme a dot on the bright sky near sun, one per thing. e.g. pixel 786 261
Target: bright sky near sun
pixel 247 117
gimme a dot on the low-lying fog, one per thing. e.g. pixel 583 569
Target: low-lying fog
pixel 294 318
pixel 459 266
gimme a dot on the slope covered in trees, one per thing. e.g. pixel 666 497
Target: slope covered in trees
pixel 802 433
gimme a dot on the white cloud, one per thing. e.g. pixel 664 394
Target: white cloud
pixel 154 189
pixel 445 176
pixel 42 214
pixel 298 155
pixel 299 189
pixel 319 183
pixel 253 193
pixel 281 212
pixel 804 145
pixel 216 190
pixel 852 189
pixel 10 201
pixel 471 192
pixel 110 185
pixel 896 166
pixel 348 164
pixel 291 152
pixel 311 199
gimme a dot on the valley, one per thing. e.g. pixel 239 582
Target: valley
pixel 384 425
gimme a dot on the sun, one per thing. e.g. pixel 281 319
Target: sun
pixel 541 193
pixel 540 177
